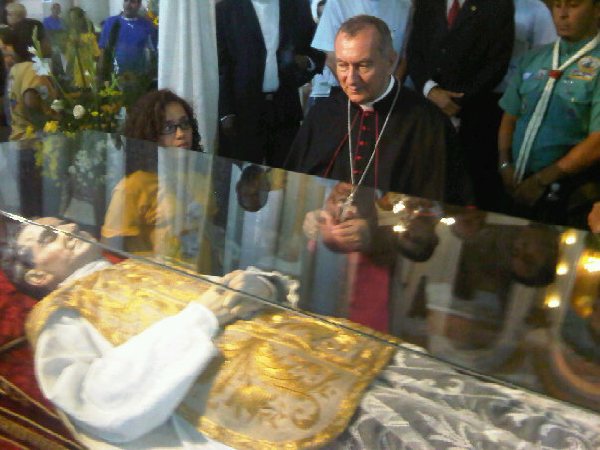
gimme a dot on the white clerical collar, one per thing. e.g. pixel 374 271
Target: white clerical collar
pixel 369 105
pixel 83 271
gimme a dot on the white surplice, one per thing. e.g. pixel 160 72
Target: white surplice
pixel 125 397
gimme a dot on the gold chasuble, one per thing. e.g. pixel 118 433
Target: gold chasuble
pixel 284 381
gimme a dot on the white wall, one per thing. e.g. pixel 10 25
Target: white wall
pixel 96 10
pixel 35 8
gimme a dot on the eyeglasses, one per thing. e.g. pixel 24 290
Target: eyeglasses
pixel 170 127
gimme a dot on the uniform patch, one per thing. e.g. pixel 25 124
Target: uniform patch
pixel 580 75
pixel 589 64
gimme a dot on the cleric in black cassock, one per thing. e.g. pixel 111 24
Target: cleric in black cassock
pixel 399 142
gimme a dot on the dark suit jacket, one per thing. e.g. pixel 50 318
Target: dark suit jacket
pixel 242 56
pixel 472 57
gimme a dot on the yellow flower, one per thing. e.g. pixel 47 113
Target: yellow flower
pixel 94 113
pixel 29 132
pixel 112 108
pixel 51 126
pixel 109 91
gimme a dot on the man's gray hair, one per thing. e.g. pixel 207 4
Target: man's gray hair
pixel 356 24
pixel 17 8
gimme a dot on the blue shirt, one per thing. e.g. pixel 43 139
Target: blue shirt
pixel 135 36
pixel 574 109
pixel 52 23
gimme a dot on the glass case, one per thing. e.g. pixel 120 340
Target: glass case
pixel 392 321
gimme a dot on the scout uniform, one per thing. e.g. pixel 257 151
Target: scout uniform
pixel 574 109
pixel 573 112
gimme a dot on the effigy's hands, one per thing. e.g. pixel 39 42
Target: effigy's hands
pixel 240 304
pixel 229 305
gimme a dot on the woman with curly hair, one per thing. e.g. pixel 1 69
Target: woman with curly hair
pixel 140 214
pixel 165 118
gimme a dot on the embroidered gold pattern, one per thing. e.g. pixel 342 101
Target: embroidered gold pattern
pixel 285 381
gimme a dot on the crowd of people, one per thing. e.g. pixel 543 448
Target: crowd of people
pixel 428 98
pixel 90 328
pixel 70 56
pixel 475 102
pixel 467 101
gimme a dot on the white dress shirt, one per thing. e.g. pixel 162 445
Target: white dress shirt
pixel 267 12
pixel 430 84
pixel 449 5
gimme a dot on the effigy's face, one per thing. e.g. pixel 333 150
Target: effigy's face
pixel 57 254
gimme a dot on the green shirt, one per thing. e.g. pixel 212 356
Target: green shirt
pixel 574 109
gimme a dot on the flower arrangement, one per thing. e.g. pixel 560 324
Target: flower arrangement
pixel 79 157
pixel 84 106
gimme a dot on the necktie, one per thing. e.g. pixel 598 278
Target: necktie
pixel 453 13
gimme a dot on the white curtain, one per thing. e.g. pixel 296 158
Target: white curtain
pixel 187 63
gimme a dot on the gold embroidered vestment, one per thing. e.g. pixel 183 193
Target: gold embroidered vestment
pixel 284 381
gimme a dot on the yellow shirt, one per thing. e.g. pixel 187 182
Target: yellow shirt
pixel 144 211
pixel 21 78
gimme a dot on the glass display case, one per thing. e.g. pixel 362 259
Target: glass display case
pixel 394 321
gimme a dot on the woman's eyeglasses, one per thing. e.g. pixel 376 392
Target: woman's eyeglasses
pixel 171 127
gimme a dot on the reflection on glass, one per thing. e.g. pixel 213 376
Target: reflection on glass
pixel 493 294
pixel 107 328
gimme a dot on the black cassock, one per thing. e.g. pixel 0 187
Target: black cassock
pixel 418 152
